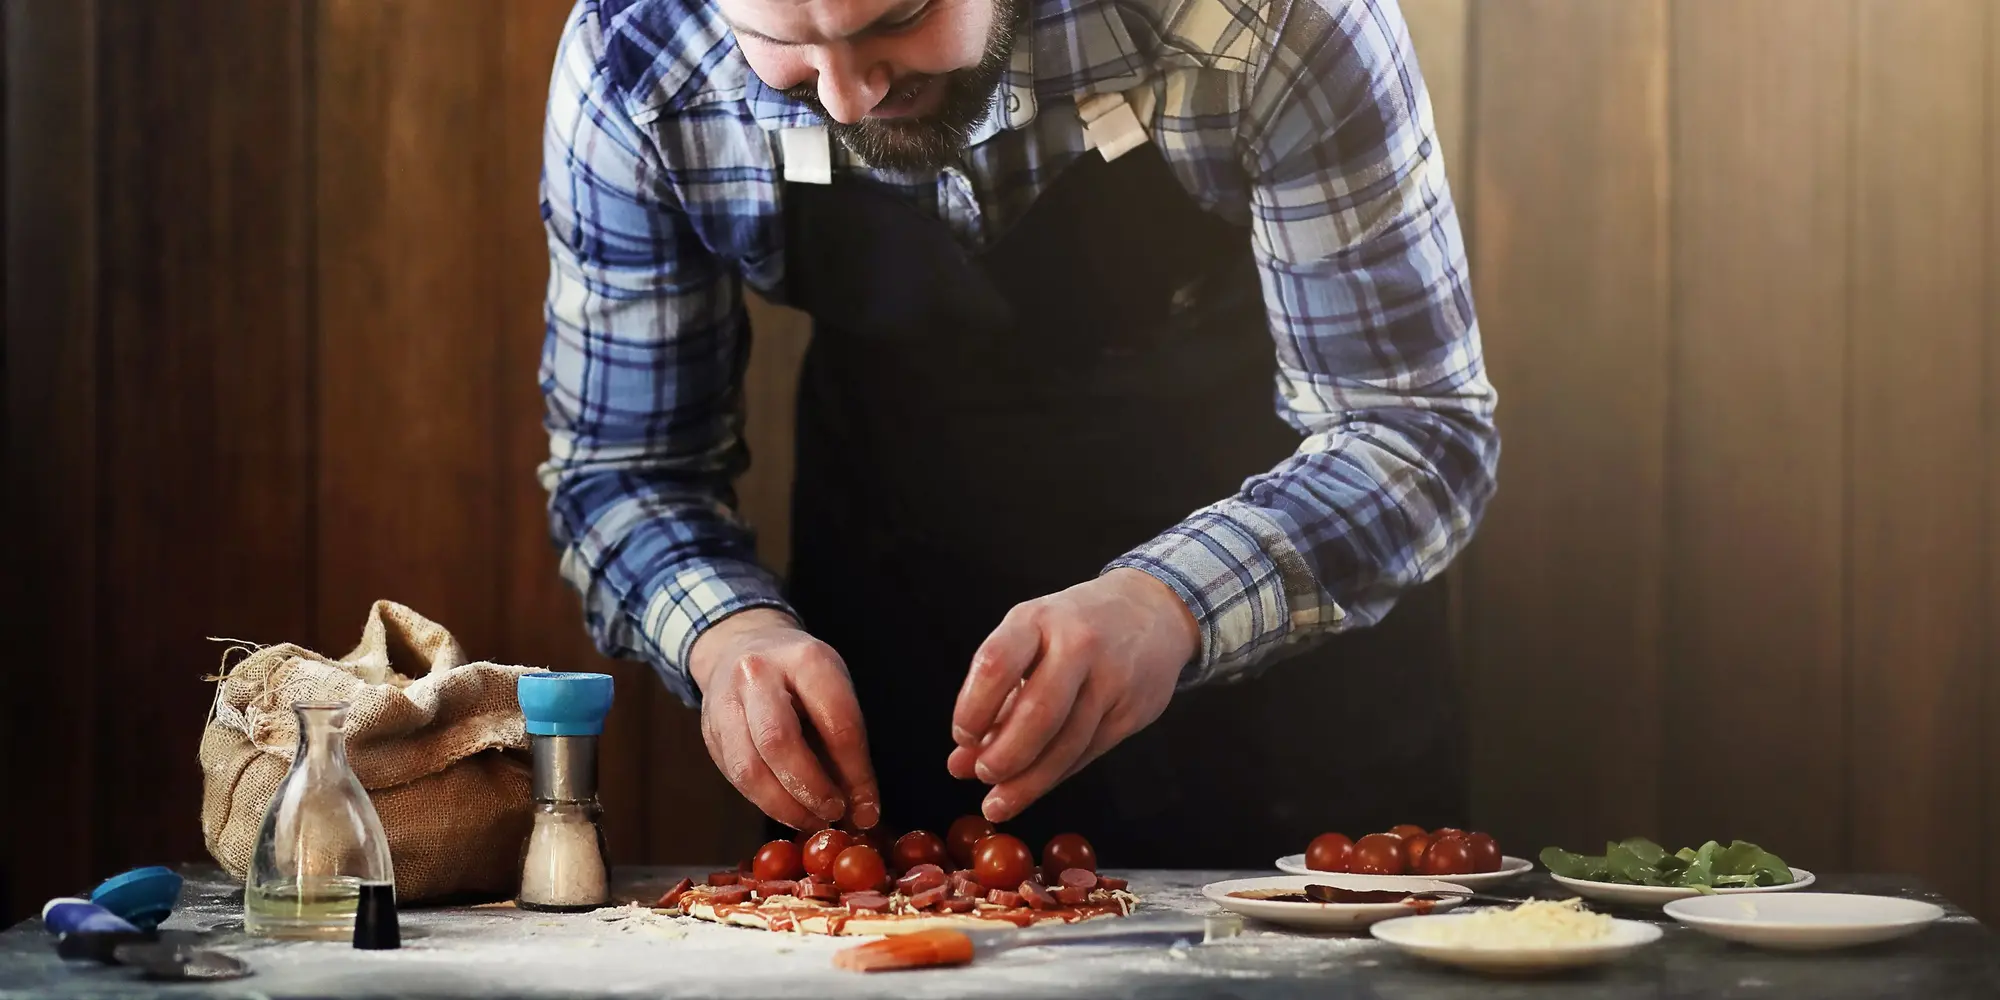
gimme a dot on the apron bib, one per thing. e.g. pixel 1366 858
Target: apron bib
pixel 977 430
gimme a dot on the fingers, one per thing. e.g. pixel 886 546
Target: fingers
pixel 964 761
pixel 1039 708
pixel 828 699
pixel 774 730
pixel 1078 732
pixel 727 732
pixel 997 668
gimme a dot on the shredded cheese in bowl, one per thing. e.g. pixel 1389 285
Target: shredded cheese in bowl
pixel 1533 924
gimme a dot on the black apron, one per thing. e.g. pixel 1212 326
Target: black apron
pixel 980 429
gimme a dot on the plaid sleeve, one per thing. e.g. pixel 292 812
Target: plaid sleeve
pixel 642 369
pixel 1378 350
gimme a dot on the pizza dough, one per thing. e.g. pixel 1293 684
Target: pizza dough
pixel 794 914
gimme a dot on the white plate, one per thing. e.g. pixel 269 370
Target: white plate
pixel 1326 916
pixel 1418 937
pixel 1805 921
pixel 1655 895
pixel 1510 867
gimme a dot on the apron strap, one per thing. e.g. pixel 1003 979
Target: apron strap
pixel 808 154
pixel 1109 124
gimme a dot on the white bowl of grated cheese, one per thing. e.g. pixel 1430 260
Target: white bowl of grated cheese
pixel 1537 936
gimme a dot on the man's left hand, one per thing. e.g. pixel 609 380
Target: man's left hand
pixel 1065 678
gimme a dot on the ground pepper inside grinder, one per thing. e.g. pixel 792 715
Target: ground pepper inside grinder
pixel 564 865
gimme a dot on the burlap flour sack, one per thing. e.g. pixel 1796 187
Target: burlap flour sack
pixel 437 742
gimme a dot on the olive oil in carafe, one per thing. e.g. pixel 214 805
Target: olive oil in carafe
pixel 321 907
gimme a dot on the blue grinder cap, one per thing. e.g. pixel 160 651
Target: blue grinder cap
pixel 143 896
pixel 564 704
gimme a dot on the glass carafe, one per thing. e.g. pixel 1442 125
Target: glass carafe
pixel 321 840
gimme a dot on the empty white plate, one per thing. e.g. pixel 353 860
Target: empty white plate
pixel 1510 867
pixel 1654 895
pixel 1326 916
pixel 1424 938
pixel 1805 921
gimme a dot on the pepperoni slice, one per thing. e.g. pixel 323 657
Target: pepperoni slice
pixel 730 895
pixel 916 882
pixel 1082 878
pixel 871 902
pixel 672 897
pixel 825 892
pixel 958 905
pixel 821 879
pixel 966 873
pixel 1001 897
pixel 1037 896
pixel 1070 895
pixel 1107 882
pixel 929 897
pixel 724 878
pixel 777 887
pixel 967 888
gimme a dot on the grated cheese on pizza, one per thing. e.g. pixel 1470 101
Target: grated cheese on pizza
pixel 1533 924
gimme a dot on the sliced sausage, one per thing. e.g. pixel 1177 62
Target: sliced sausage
pixel 724 878
pixel 930 897
pixel 1107 882
pixel 825 892
pixel 967 888
pixel 1082 878
pixel 870 902
pixel 1037 896
pixel 958 904
pixel 1001 897
pixel 672 897
pixel 730 895
pixel 917 882
pixel 777 887
pixel 1070 895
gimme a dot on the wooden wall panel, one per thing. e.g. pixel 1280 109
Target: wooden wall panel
pixel 205 403
pixel 1918 337
pixel 410 207
pixel 1991 674
pixel 541 619
pixel 1569 273
pixel 1440 30
pixel 52 370
pixel 1755 708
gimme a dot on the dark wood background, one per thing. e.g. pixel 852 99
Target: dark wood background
pixel 272 292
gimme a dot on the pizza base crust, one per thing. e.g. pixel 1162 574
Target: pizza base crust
pixel 855 925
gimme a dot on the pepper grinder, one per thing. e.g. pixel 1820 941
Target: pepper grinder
pixel 564 864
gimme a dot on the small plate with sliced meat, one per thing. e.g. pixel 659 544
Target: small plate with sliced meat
pixel 1510 867
pixel 1361 899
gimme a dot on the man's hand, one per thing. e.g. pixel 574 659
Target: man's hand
pixel 757 671
pixel 1099 661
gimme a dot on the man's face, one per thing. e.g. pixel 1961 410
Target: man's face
pixel 902 83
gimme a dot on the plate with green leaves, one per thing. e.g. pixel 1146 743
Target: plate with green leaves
pixel 1639 872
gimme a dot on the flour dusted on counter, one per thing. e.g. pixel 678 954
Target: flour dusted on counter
pixel 1533 924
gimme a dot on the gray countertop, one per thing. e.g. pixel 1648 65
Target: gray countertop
pixel 490 953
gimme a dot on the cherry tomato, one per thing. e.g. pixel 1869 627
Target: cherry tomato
pixel 919 847
pixel 965 833
pixel 1414 847
pixel 779 859
pixel 1485 852
pixel 1002 861
pixel 1068 850
pixel 1330 852
pixel 1447 831
pixel 1448 855
pixel 1407 830
pixel 858 869
pixel 1378 854
pixel 822 850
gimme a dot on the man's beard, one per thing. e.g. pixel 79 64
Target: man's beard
pixel 929 142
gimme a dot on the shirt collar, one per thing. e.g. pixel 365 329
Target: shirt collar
pixel 1065 48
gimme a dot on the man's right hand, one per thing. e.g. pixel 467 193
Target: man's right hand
pixel 759 674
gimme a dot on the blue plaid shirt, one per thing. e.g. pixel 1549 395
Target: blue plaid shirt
pixel 1306 120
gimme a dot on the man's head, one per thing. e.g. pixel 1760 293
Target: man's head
pixel 902 83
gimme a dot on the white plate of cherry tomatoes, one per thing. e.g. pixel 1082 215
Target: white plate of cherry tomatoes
pixel 1469 859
